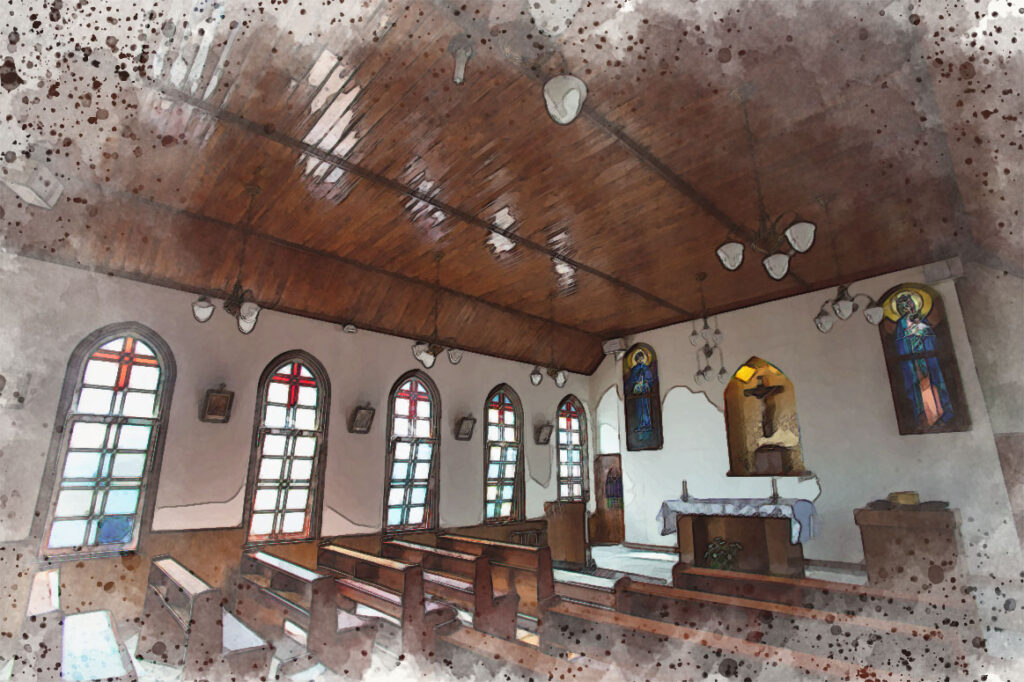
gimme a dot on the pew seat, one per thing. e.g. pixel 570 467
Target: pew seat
pixel 393 588
pixel 813 631
pixel 520 568
pixel 299 610
pixel 464 580
pixel 184 624
pixel 468 649
pixel 637 646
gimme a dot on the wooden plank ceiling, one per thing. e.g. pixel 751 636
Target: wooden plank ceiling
pixel 325 158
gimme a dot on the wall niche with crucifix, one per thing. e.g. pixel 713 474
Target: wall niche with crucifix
pixel 761 422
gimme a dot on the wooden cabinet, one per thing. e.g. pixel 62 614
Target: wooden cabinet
pixel 909 548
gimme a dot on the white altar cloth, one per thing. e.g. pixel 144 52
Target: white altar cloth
pixel 802 514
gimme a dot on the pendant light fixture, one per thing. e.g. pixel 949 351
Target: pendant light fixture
pixel 843 306
pixel 202 309
pixel 426 352
pixel 777 247
pixel 707 341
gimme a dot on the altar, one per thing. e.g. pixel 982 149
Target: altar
pixel 769 531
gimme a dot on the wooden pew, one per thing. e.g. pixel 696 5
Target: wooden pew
pixel 184 623
pixel 924 609
pixel 394 588
pixel 834 635
pixel 53 646
pixel 608 597
pixel 525 570
pixel 465 581
pixel 642 648
pixel 469 652
pixel 299 608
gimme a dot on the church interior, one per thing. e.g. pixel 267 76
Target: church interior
pixel 524 340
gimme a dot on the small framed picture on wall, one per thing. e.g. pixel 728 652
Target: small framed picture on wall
pixel 216 407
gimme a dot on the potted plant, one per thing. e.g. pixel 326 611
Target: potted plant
pixel 721 554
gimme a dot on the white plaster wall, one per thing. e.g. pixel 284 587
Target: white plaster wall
pixel 47 309
pixel 847 421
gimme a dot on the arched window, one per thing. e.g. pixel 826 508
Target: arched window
pixel 572 449
pixel 115 401
pixel 410 500
pixel 285 480
pixel 923 373
pixel 503 447
pixel 761 422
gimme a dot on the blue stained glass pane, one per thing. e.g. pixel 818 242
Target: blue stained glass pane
pixel 394 516
pixel 419 495
pixel 115 529
pixel 506 492
pixel 490 510
pixel 492 471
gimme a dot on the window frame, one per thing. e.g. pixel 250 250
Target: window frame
pixel 431 514
pixel 518 485
pixel 74 377
pixel 316 487
pixel 583 447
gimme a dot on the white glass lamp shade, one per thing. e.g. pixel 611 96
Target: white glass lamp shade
pixel 694 338
pixel 247 314
pixel 699 377
pixel 873 313
pixel 421 351
pixel 560 378
pixel 777 265
pixel 536 376
pixel 722 375
pixel 731 255
pixel 824 321
pixel 707 333
pixel 454 356
pixel 800 235
pixel 202 309
pixel 843 308
pixel 564 96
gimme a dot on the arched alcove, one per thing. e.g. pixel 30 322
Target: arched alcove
pixel 761 422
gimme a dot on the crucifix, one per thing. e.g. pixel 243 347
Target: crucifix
pixel 764 393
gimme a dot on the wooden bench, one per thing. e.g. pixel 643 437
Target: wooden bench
pixel 605 596
pixel 812 631
pixel 463 580
pixel 924 609
pixel 184 623
pixel 393 588
pixel 641 648
pixel 79 646
pixel 299 609
pixel 525 570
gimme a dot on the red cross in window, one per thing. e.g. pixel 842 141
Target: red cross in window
pixel 125 358
pixel 415 393
pixel 294 379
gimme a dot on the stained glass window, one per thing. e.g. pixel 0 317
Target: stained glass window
pixel 503 448
pixel 412 450
pixel 288 441
pixel 923 372
pixel 571 450
pixel 110 435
